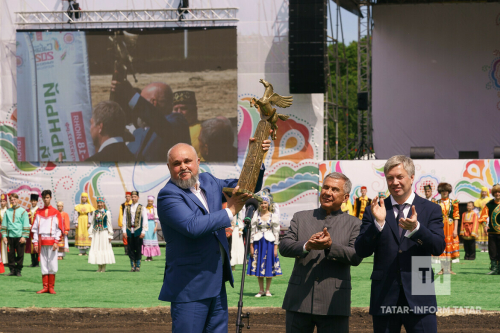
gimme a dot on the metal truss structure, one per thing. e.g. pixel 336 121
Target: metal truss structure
pixel 336 96
pixel 364 147
pixel 147 18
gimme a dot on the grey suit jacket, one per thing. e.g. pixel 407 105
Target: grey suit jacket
pixel 321 280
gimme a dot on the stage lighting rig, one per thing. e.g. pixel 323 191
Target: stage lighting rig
pixel 74 10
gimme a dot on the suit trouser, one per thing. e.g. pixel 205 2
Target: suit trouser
pixel 48 260
pixel 207 315
pixel 16 253
pixel 134 247
pixel 413 323
pixel 470 249
pixel 493 246
pixel 298 322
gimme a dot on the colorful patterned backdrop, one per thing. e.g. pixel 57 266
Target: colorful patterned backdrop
pixel 291 164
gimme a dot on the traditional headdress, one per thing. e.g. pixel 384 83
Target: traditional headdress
pixel 485 189
pixel 151 197
pixel 100 199
pixel 84 195
pixel 34 196
pixel 3 197
pixel 427 187
pixel 128 193
pixel 363 187
pixel 184 97
pixel 381 194
pixel 134 193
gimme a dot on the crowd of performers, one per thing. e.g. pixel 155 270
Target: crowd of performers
pixel 479 224
pixel 43 233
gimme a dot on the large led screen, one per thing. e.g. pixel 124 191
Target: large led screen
pixel 126 95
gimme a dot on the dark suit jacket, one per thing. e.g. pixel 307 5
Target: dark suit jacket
pixel 393 255
pixel 321 280
pixel 193 265
pixel 115 152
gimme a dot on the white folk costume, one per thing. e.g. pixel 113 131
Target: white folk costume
pixel 135 223
pixel 101 231
pixel 47 231
pixel 237 246
pixel 3 247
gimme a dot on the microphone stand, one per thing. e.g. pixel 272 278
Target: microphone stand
pixel 251 205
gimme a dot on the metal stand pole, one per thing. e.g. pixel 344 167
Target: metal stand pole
pixel 239 315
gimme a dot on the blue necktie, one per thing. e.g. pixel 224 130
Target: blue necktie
pixel 401 215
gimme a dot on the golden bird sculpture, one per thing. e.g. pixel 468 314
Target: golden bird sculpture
pixel 265 105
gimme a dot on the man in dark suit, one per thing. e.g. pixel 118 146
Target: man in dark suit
pixel 322 241
pixel 399 229
pixel 106 128
pixel 197 254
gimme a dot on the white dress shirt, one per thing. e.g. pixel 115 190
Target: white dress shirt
pixel 406 210
pixel 133 209
pixel 200 195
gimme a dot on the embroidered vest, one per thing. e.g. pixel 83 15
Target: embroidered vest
pixel 100 220
pixel 494 212
pixel 137 220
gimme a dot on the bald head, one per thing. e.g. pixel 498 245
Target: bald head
pixel 183 164
pixel 160 95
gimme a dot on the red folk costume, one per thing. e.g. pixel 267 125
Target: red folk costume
pixel 47 230
pixel 469 228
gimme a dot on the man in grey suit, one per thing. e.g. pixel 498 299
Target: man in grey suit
pixel 322 241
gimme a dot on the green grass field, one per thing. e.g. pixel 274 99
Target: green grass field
pixel 78 285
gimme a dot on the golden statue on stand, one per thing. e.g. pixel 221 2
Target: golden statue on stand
pixel 269 118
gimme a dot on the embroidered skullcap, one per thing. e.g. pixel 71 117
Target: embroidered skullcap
pixel 363 187
pixel 3 197
pixel 381 194
pixel 100 199
pixel 134 193
pixel 151 197
pixel 128 193
pixel 184 97
pixel 34 196
pixel 427 187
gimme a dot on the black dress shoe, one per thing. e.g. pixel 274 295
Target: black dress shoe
pixel 18 273
pixel 12 273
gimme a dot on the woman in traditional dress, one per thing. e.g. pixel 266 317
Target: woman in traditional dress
pixel 482 230
pixel 468 231
pixel 150 247
pixel 81 221
pixel 63 245
pixel 237 246
pixel 101 233
pixel 264 240
pixel 451 215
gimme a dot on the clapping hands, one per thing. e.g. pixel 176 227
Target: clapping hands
pixel 319 241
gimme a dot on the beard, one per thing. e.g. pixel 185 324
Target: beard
pixel 185 183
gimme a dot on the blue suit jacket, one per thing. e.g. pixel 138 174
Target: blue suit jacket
pixel 393 255
pixel 193 267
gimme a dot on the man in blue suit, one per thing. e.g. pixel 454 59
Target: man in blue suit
pixel 398 229
pixel 197 254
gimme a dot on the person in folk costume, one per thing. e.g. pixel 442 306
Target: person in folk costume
pixel 128 202
pixel 238 246
pixel 101 232
pixel 29 242
pixel 63 244
pixel 15 231
pixel 428 193
pixel 468 231
pixel 264 240
pixel 81 221
pixel 135 226
pixel 47 231
pixel 361 203
pixel 150 247
pixel 451 215
pixel 4 205
pixel 482 236
pixel 491 211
